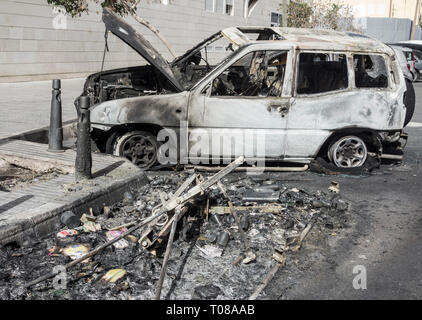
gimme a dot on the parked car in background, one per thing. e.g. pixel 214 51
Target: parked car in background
pixel 412 44
pixel 408 67
pixel 411 62
pixel 418 62
pixel 309 93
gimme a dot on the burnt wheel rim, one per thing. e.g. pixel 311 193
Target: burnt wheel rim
pixel 140 149
pixel 349 152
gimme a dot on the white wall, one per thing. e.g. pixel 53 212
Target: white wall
pixel 31 49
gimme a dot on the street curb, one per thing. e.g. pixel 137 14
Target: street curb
pixel 40 135
pixel 43 220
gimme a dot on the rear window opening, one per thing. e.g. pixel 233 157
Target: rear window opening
pixel 370 71
pixel 322 72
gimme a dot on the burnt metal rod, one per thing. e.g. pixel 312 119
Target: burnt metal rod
pixel 167 254
pixel 170 205
pixel 236 217
pixel 179 191
pixel 268 278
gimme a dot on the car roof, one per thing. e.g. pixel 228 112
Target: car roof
pixel 303 38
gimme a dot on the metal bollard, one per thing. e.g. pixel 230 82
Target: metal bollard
pixel 55 134
pixel 83 162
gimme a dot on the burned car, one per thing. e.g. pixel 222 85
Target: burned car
pixel 303 93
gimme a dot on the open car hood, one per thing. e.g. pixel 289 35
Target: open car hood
pixel 137 42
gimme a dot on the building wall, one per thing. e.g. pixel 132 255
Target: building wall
pixel 373 18
pixel 381 8
pixel 389 30
pixel 32 49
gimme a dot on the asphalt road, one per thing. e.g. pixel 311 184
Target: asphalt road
pixel 386 238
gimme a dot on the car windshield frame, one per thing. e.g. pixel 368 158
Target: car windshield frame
pixel 218 66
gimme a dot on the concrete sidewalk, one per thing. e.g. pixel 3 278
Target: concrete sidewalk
pixel 34 209
pixel 26 106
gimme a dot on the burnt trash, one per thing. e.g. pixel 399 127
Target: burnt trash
pixel 211 236
pixel 229 219
pixel 207 256
pixel 267 196
pixel 206 292
pixel 287 224
pixel 244 222
pixel 157 182
pixel 223 238
pixel 329 225
pixel 339 204
pixel 128 197
pixel 317 204
pixel 215 219
pixel 140 205
pixel 69 219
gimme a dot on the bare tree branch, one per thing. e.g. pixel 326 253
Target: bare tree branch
pixel 155 31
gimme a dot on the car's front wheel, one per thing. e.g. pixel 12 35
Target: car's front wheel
pixel 348 152
pixel 139 147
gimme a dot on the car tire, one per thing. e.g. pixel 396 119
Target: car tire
pixel 409 102
pixel 348 151
pixel 139 147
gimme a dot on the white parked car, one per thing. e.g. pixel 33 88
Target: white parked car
pixel 305 93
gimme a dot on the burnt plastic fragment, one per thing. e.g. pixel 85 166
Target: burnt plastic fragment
pixel 206 292
pixel 69 219
pixel 244 222
pixel 260 196
pixel 223 238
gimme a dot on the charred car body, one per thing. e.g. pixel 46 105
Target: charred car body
pixel 314 93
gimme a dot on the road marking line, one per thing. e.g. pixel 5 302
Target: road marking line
pixel 415 125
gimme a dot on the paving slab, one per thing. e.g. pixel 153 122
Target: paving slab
pixel 35 210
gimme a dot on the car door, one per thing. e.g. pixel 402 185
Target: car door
pixel 322 82
pixel 242 109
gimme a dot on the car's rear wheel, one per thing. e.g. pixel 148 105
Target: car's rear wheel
pixel 139 147
pixel 348 152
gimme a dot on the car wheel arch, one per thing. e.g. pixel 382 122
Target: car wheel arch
pixel 370 137
pixel 120 130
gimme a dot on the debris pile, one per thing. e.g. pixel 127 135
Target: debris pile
pixel 232 235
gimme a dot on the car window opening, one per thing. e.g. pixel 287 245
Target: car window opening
pixel 370 71
pixel 259 73
pixel 322 72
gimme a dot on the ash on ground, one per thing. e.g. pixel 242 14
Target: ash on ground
pixel 13 177
pixel 204 263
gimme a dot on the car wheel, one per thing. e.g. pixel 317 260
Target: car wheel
pixel 139 147
pixel 348 152
pixel 409 102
